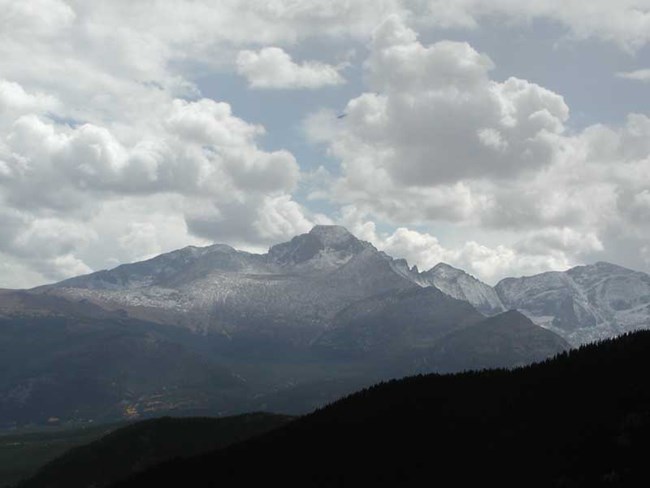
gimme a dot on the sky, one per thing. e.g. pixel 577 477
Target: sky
pixel 504 137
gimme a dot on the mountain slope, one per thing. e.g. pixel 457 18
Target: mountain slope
pixel 583 304
pixel 395 322
pixel 506 340
pixel 415 331
pixel 580 420
pixel 74 361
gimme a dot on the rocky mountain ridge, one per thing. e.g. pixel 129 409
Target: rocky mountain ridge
pixel 314 276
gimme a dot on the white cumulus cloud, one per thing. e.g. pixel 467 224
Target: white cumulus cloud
pixel 433 123
pixel 273 68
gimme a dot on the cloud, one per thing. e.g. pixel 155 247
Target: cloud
pixel 436 140
pixel 559 240
pixel 130 130
pixel 489 264
pixel 436 108
pixel 254 223
pixel 638 75
pixel 434 126
pixel 15 100
pixel 47 17
pixel 625 22
pixel 281 217
pixel 199 147
pixel 104 135
pixel 42 246
pixel 209 122
pixel 273 68
pixel 60 183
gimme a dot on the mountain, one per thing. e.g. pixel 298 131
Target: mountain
pixel 61 363
pixel 217 330
pixel 294 294
pixel 397 321
pixel 583 304
pixel 134 448
pixel 463 286
pixel 579 420
pixel 506 340
pixel 294 291
pixel 289 294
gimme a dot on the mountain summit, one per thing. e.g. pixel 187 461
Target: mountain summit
pixel 327 245
pixel 332 235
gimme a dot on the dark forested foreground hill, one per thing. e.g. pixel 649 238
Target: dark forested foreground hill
pixel 579 420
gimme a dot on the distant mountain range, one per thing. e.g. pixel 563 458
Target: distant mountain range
pixel 298 287
pixel 221 330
